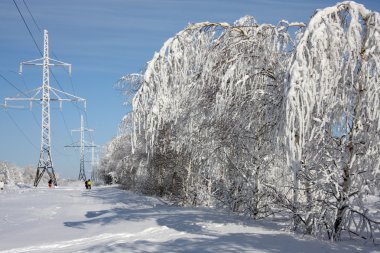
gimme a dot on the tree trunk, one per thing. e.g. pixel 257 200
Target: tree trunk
pixel 256 194
pixel 296 218
pixel 309 201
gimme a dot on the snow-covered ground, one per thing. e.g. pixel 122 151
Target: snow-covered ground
pixel 107 219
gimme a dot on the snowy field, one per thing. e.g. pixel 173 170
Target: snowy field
pixel 107 219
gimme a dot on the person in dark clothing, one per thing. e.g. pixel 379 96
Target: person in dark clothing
pixel 50 183
pixel 86 184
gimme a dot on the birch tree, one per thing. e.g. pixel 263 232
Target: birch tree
pixel 216 92
pixel 333 118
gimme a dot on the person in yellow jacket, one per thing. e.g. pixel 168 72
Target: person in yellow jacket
pixel 89 183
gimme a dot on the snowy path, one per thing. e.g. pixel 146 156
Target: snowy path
pixel 107 219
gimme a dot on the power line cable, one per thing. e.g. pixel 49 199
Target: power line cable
pixel 21 131
pixel 67 128
pixel 30 32
pixel 35 120
pixel 29 141
pixel 32 16
pixel 72 85
pixel 14 86
pixel 34 116
pixel 22 78
pixel 11 84
pixel 56 80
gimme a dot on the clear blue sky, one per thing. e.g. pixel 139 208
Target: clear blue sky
pixel 103 40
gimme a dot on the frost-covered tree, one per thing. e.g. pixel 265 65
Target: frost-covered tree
pixel 209 106
pixel 5 173
pixel 333 119
pixel 248 101
pixel 128 85
pixel 12 175
pixel 261 119
pixel 119 164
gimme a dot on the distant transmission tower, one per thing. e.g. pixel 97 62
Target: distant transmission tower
pixel 95 163
pixel 82 145
pixel 45 162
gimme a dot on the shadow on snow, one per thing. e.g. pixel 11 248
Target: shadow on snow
pixel 189 220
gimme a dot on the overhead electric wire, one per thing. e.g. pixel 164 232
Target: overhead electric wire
pixel 28 140
pixel 34 117
pixel 32 16
pixel 22 78
pixel 67 128
pixel 72 85
pixel 26 137
pixel 33 114
pixel 30 32
pixel 21 131
pixel 14 86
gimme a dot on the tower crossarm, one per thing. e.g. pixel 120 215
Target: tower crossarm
pixel 78 146
pixel 84 129
pixel 31 62
pixel 68 97
pixel 40 62
pixel 34 98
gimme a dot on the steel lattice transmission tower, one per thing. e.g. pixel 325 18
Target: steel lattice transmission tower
pixel 94 163
pixel 82 145
pixel 45 162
